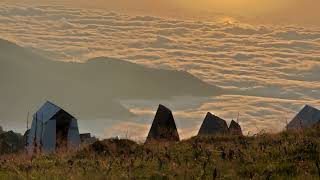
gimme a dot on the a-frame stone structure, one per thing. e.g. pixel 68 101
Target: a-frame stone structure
pixel 235 128
pixel 213 125
pixel 163 127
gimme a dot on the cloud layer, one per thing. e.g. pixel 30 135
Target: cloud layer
pixel 272 70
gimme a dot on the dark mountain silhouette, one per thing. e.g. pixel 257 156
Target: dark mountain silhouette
pixel 88 90
pixel 306 118
pixel 213 125
pixel 163 126
pixel 235 128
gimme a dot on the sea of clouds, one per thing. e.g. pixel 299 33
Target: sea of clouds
pixel 270 71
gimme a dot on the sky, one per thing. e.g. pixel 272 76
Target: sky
pixel 302 12
pixel 266 52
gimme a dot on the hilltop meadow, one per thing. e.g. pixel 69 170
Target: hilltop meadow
pixel 287 155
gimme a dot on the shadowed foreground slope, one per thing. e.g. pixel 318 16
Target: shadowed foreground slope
pixel 288 155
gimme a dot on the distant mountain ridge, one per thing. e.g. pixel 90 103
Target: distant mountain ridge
pixel 88 90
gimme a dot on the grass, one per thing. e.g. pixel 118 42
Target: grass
pixel 287 155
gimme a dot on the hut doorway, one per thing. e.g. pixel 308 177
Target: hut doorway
pixel 63 121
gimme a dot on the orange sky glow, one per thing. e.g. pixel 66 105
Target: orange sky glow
pixel 303 12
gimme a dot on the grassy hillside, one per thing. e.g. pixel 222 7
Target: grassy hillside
pixel 288 155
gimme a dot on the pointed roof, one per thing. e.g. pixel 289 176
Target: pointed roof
pixel 306 118
pixel 235 128
pixel 213 125
pixel 48 111
pixel 163 126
